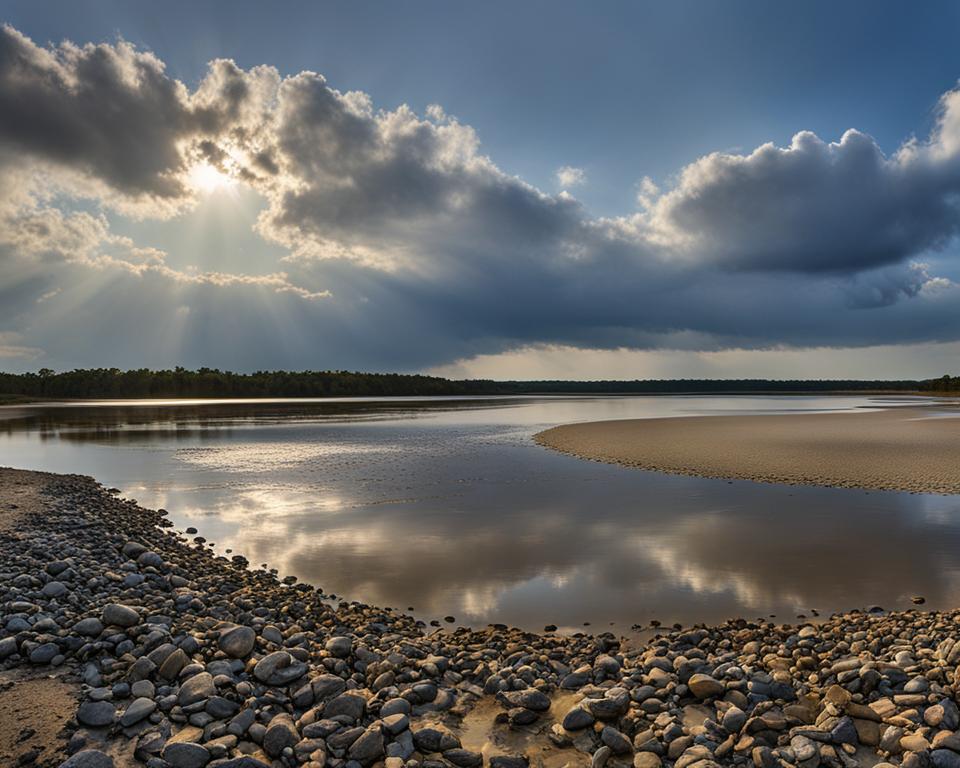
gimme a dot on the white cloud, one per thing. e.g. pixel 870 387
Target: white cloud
pixel 568 177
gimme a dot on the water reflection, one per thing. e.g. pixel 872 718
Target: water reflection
pixel 449 507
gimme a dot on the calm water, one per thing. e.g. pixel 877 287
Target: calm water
pixel 449 507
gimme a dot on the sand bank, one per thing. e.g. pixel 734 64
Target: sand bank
pixel 897 449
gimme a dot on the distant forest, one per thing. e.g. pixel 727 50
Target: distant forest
pixel 943 384
pixel 208 382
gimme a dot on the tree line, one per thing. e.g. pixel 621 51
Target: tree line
pixel 945 383
pixel 99 383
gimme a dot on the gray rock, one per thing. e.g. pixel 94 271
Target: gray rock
pixel 435 738
pixel 118 615
pixel 196 688
pixel 88 758
pixel 281 733
pixel 463 758
pixel 339 647
pixel 368 748
pixel 137 711
pixel 945 758
pixel 279 668
pixel 8 647
pixel 44 654
pixel 186 754
pixel 347 704
pixel 89 627
pixel 619 744
pixel 577 719
pixel 54 589
pixel 238 642
pixel 96 714
pixel 529 698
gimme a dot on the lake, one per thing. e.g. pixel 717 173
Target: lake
pixel 446 506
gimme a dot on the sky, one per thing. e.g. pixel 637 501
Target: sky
pixel 507 190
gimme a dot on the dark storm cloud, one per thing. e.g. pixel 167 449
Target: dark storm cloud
pixel 408 247
pixel 816 206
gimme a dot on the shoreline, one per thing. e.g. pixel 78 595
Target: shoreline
pixel 178 657
pixel 905 448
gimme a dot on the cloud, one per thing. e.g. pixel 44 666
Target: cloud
pixel 816 206
pixel 406 246
pixel 568 177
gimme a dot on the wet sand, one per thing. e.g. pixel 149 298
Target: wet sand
pixel 899 449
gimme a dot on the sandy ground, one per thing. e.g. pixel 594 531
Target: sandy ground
pixel 35 705
pixel 899 449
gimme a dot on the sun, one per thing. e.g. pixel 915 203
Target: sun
pixel 205 178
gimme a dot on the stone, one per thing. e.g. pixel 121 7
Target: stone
pixel 117 615
pixel 339 647
pixel 368 748
pixel 618 743
pixel 578 718
pixel 646 760
pixel 705 687
pixel 435 738
pixel 238 642
pixel 509 761
pixel 54 589
pixel 185 754
pixel 279 668
pixel 137 711
pixel 281 733
pixel 96 714
pixel 530 698
pixel 88 758
pixel 349 705
pixel 88 627
pixel 196 688
pixel 44 654
pixel 463 758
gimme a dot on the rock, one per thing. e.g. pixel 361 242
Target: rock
pixel 530 698
pixel 238 642
pixel 600 757
pixel 618 743
pixel 88 758
pixel 8 647
pixel 196 688
pixel 509 761
pixel 704 686
pixel 945 758
pixel 117 615
pixel 435 738
pixel 463 758
pixel 578 718
pixel 173 665
pixel 279 668
pixel 185 754
pixel 646 760
pixel 339 647
pixel 346 704
pixel 96 714
pixel 54 589
pixel 89 627
pixel 137 711
pixel 368 748
pixel 44 654
pixel 281 733
pixel 734 719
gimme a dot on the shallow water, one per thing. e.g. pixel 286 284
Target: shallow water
pixel 449 507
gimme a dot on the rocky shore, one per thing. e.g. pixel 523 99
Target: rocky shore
pixel 151 650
